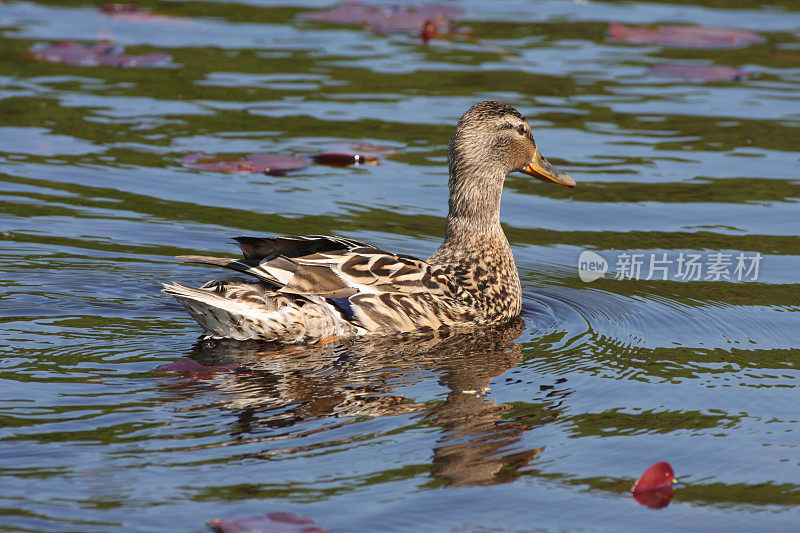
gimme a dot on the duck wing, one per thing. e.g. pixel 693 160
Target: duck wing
pixel 374 290
pixel 331 267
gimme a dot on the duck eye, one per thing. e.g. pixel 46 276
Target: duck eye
pixel 521 129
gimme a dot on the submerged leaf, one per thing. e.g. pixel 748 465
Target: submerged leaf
pixel 699 72
pixel 93 55
pixel 683 36
pixel 276 163
pixel 259 162
pixel 266 523
pixel 190 367
pixel 654 499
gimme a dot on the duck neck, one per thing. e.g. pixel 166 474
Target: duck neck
pixel 475 252
pixel 474 204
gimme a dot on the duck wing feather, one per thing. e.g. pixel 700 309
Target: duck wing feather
pixel 259 248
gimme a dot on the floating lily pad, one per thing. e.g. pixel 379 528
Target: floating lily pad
pixel 134 13
pixel 122 8
pixel 366 149
pixel 93 55
pixel 699 72
pixel 267 163
pixel 428 19
pixel 342 159
pixel 266 523
pixel 429 30
pixel 654 487
pixel 683 36
pixel 346 154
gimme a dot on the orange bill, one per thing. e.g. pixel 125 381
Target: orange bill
pixel 539 168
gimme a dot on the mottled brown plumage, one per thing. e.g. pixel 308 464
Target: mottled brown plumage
pixel 308 288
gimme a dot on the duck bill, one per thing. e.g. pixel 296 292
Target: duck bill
pixel 539 168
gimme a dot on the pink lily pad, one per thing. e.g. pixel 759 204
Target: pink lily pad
pixel 429 19
pixel 266 523
pixel 93 55
pixel 122 8
pixel 699 72
pixel 135 13
pixel 268 163
pixel 683 36
pixel 366 149
pixel 190 367
pixel 654 488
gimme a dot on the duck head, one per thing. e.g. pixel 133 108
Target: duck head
pixel 492 140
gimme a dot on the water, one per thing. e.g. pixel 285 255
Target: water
pixel 598 382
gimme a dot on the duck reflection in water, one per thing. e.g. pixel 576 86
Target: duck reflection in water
pixel 319 388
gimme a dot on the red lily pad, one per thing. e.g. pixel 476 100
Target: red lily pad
pixel 93 55
pixel 341 159
pixel 683 36
pixel 654 488
pixel 658 476
pixel 268 163
pixel 699 72
pixel 266 523
pixel 190 367
pixel 429 30
pixel 433 29
pixel 345 154
pixel 429 19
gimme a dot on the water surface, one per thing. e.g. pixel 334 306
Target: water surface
pixel 541 425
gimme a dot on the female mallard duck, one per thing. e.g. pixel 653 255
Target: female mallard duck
pixel 309 288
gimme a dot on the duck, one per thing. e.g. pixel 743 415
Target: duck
pixel 295 289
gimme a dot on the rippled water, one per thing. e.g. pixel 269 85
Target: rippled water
pixel 597 382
